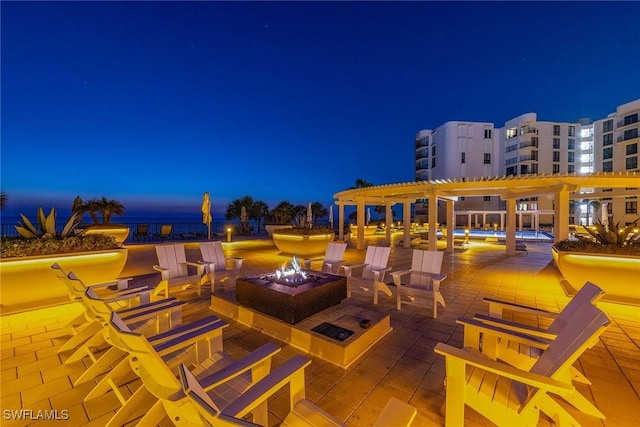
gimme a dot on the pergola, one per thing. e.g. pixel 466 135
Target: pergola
pixel 510 188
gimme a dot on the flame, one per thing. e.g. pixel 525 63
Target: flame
pixel 291 274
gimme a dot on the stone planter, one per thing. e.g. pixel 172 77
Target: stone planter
pixel 272 227
pixel 119 232
pixel 303 245
pixel 29 282
pixel 617 275
pixel 369 230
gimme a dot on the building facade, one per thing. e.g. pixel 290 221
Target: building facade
pixel 527 146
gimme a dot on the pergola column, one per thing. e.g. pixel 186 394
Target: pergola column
pixel 360 224
pixel 511 226
pixel 450 224
pixel 502 221
pixel 561 215
pixel 388 217
pixel 406 224
pixel 433 221
pixel 340 221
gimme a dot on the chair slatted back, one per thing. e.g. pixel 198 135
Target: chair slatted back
pixel 193 389
pixel 173 258
pixel 213 252
pixel 376 257
pixel 588 294
pixel 584 326
pixel 166 230
pixel 423 264
pixel 335 251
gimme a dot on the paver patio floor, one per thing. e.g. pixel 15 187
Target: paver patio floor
pixel 403 364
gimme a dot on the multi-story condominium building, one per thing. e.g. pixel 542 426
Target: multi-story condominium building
pixel 525 145
pixel 616 141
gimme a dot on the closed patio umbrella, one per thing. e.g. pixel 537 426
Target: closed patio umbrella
pixel 206 213
pixel 331 216
pixel 309 214
pixel 604 216
pixel 368 215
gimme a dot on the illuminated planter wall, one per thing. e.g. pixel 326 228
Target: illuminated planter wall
pixel 617 275
pixel 369 230
pixel 273 227
pixel 29 282
pixel 303 245
pixel 119 232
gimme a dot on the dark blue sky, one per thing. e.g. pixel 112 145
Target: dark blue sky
pixel 153 103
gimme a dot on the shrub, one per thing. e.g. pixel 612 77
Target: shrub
pixel 586 246
pixel 21 247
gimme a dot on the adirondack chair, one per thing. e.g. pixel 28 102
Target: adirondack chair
pixel 203 410
pixel 508 345
pixel 373 271
pixel 332 259
pixel 172 265
pixel 216 264
pixel 153 361
pixel 146 319
pixel 83 327
pixel 142 232
pixel 424 280
pixel 507 395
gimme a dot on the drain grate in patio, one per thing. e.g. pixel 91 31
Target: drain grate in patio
pixel 333 331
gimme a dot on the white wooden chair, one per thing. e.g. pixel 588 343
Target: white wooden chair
pixel 203 410
pixel 216 264
pixel 332 259
pixel 173 266
pixel 83 326
pixel 423 281
pixel 507 395
pixel 154 361
pixel 506 342
pixel 374 268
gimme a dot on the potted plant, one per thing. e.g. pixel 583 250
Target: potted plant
pixel 280 217
pixel 25 266
pixel 107 209
pixel 302 239
pixel 608 257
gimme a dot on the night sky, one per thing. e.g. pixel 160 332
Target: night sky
pixel 154 103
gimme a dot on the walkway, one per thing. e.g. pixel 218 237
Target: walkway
pixel 402 365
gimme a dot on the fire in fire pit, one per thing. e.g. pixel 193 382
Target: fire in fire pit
pixel 292 275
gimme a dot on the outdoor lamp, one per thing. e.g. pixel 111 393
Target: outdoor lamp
pixel 228 234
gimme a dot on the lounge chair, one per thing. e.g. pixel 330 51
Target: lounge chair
pixel 332 259
pixel 153 360
pixel 510 396
pixel 216 264
pixel 373 271
pixel 166 232
pixel 423 281
pixel 202 408
pixel 142 232
pixel 173 266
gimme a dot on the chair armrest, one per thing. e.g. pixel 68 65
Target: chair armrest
pixel 160 269
pixel 378 273
pixel 397 276
pixel 516 327
pixel 192 337
pixel 142 292
pixel 257 357
pixel 348 268
pixel 496 306
pixel 473 329
pixel 193 264
pixel 466 357
pixel 119 283
pixel 267 386
pixel 177 333
pixel 236 260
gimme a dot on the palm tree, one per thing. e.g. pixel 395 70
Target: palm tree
pixel 361 183
pixel 3 200
pixel 109 208
pixel 91 207
pixel 76 208
pixel 260 211
pixel 234 210
pixel 318 211
pixel 282 213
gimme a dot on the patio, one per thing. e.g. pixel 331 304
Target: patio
pixel 403 364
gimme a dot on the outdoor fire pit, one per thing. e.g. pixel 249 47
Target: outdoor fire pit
pixel 291 294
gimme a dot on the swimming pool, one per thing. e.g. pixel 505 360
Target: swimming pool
pixel 524 235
